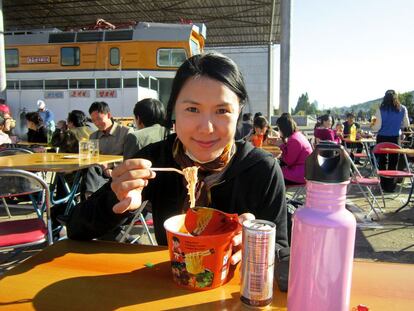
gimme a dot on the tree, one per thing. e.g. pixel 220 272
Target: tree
pixel 313 108
pixel 303 104
pixel 406 99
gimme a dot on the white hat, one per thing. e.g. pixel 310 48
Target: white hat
pixel 41 104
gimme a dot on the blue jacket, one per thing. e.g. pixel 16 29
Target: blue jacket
pixel 391 121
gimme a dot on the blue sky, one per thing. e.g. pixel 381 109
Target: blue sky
pixel 350 51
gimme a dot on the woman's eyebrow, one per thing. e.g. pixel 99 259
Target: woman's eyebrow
pixel 188 101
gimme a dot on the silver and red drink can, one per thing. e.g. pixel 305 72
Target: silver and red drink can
pixel 258 257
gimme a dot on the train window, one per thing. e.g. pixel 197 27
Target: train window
pixel 56 84
pixel 12 57
pixel 82 83
pixel 163 58
pixel 89 36
pixel 114 56
pixel 154 84
pixel 131 82
pixel 62 37
pixel 12 84
pixel 114 83
pixel 170 57
pixel 70 56
pixel 31 84
pixel 144 82
pixel 108 83
pixel 100 83
pixel 118 35
pixel 177 57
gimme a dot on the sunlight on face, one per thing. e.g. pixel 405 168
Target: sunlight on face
pixel 327 123
pixel 101 120
pixel 206 117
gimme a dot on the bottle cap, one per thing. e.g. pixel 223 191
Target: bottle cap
pixel 328 164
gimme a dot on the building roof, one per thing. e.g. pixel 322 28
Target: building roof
pixel 229 22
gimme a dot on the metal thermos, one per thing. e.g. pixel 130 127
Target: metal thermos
pixel 323 236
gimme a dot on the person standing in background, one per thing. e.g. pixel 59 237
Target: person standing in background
pixel 390 117
pixel 47 116
pixel 150 119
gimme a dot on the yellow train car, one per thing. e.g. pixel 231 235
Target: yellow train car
pixel 71 69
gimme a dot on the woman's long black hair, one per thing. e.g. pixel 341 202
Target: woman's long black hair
pixel 212 65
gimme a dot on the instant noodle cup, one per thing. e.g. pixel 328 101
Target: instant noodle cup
pixel 199 262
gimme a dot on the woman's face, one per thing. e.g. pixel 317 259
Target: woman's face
pixel 327 123
pixel 260 131
pixel 70 125
pixel 206 117
pixel 31 125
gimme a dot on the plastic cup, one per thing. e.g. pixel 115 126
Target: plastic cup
pixel 198 262
pixel 84 150
pixel 94 147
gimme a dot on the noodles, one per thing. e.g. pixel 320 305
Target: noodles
pixel 194 261
pixel 190 174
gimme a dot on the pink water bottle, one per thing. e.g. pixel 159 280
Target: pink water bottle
pixel 323 236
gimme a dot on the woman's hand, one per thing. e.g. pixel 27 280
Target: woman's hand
pixel 237 239
pixel 128 181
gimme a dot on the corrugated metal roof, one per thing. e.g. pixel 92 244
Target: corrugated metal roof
pixel 229 22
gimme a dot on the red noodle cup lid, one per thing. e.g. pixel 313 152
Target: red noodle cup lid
pixel 209 221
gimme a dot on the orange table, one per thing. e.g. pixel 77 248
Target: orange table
pixel 409 152
pixel 71 275
pixel 274 150
pixel 57 163
pixel 54 162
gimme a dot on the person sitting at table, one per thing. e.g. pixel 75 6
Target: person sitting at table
pixel 67 139
pixel 261 132
pixel 350 120
pixel 234 177
pixel 323 130
pixel 111 136
pixel 150 119
pixel 67 136
pixel 295 149
pixel 4 138
pixel 391 117
pixel 37 132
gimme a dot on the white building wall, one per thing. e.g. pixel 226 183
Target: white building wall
pixel 253 62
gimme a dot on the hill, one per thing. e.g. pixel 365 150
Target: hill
pixel 368 106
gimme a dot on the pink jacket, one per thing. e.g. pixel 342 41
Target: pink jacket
pixel 294 154
pixel 326 134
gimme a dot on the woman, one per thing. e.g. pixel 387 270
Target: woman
pixel 234 176
pixel 324 131
pixel 261 132
pixel 37 132
pixel 4 138
pixel 295 149
pixel 77 130
pixel 390 117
